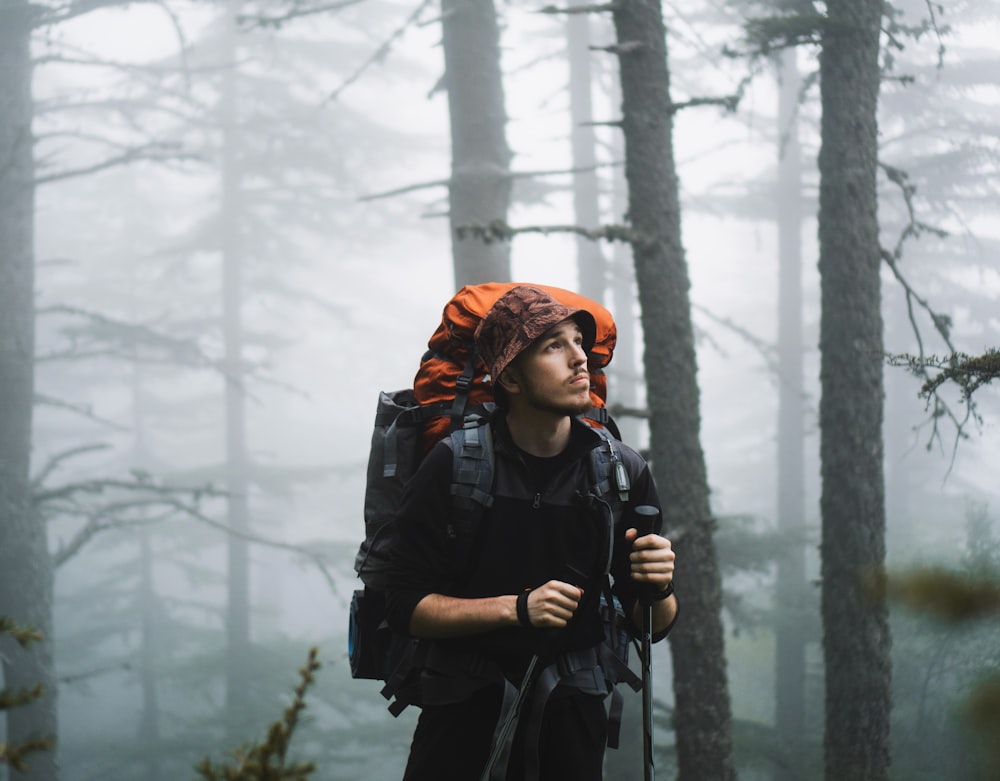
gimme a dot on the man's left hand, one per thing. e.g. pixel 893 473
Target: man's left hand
pixel 651 559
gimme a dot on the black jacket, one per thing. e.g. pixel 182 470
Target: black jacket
pixel 539 528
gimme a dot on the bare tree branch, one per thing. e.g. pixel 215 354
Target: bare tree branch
pixel 53 15
pixel 382 51
pixel 914 229
pixel 581 9
pixel 80 409
pixel 498 230
pixel 250 21
pixel 511 175
pixel 162 493
pixel 315 558
pixel 152 151
pixel 99 522
pixel 113 332
pixel 55 461
pixel 410 188
pixel 85 675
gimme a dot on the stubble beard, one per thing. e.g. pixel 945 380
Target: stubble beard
pixel 570 407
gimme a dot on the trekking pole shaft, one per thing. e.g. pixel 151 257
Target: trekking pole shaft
pixel 644 518
pixel 647 694
pixel 510 723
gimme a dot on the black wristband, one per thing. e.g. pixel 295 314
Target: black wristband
pixel 659 596
pixel 522 610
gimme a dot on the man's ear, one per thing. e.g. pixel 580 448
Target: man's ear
pixel 509 380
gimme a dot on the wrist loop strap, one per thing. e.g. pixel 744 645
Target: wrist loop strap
pixel 522 610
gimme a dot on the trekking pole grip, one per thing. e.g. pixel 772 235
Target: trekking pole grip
pixel 644 518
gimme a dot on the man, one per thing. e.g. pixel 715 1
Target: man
pixel 529 584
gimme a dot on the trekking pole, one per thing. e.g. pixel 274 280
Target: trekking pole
pixel 645 516
pixel 500 744
pixel 576 577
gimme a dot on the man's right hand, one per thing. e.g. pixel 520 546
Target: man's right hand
pixel 552 605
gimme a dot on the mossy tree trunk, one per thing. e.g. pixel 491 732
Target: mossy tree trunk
pixel 26 571
pixel 856 641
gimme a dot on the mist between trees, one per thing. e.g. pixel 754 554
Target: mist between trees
pixel 225 227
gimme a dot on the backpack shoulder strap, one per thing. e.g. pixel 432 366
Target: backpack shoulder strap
pixel 471 481
pixel 472 462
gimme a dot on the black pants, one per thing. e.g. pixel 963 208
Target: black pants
pixel 453 742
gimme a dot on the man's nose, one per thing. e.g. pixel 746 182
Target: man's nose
pixel 579 355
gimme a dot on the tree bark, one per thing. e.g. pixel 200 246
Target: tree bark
pixel 703 719
pixel 627 390
pixel 791 588
pixel 590 261
pixel 26 575
pixel 856 641
pixel 148 729
pixel 238 677
pixel 480 158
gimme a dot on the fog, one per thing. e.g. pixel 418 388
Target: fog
pixel 346 265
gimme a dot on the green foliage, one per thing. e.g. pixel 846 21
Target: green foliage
pixel 947 671
pixel 946 595
pixel 767 35
pixel 968 372
pixel 24 637
pixel 982 709
pixel 15 755
pixel 267 759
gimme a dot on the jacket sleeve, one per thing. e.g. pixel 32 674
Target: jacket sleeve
pixel 420 563
pixel 642 491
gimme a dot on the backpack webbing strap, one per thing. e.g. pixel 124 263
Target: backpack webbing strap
pixel 581 670
pixel 463 384
pixel 603 416
pixel 412 416
pixel 402 687
pixel 615 710
pixel 472 464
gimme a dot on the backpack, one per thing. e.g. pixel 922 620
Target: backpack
pixel 451 386
pixel 451 397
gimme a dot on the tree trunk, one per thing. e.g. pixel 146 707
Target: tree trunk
pixel 792 590
pixel 628 387
pixel 148 730
pixel 238 677
pixel 586 203
pixel 26 577
pixel 856 640
pixel 480 159
pixel 702 720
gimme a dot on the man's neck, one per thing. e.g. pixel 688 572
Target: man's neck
pixel 539 433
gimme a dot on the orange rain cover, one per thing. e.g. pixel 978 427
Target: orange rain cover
pixel 451 344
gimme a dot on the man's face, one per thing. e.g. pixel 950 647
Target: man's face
pixel 551 374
